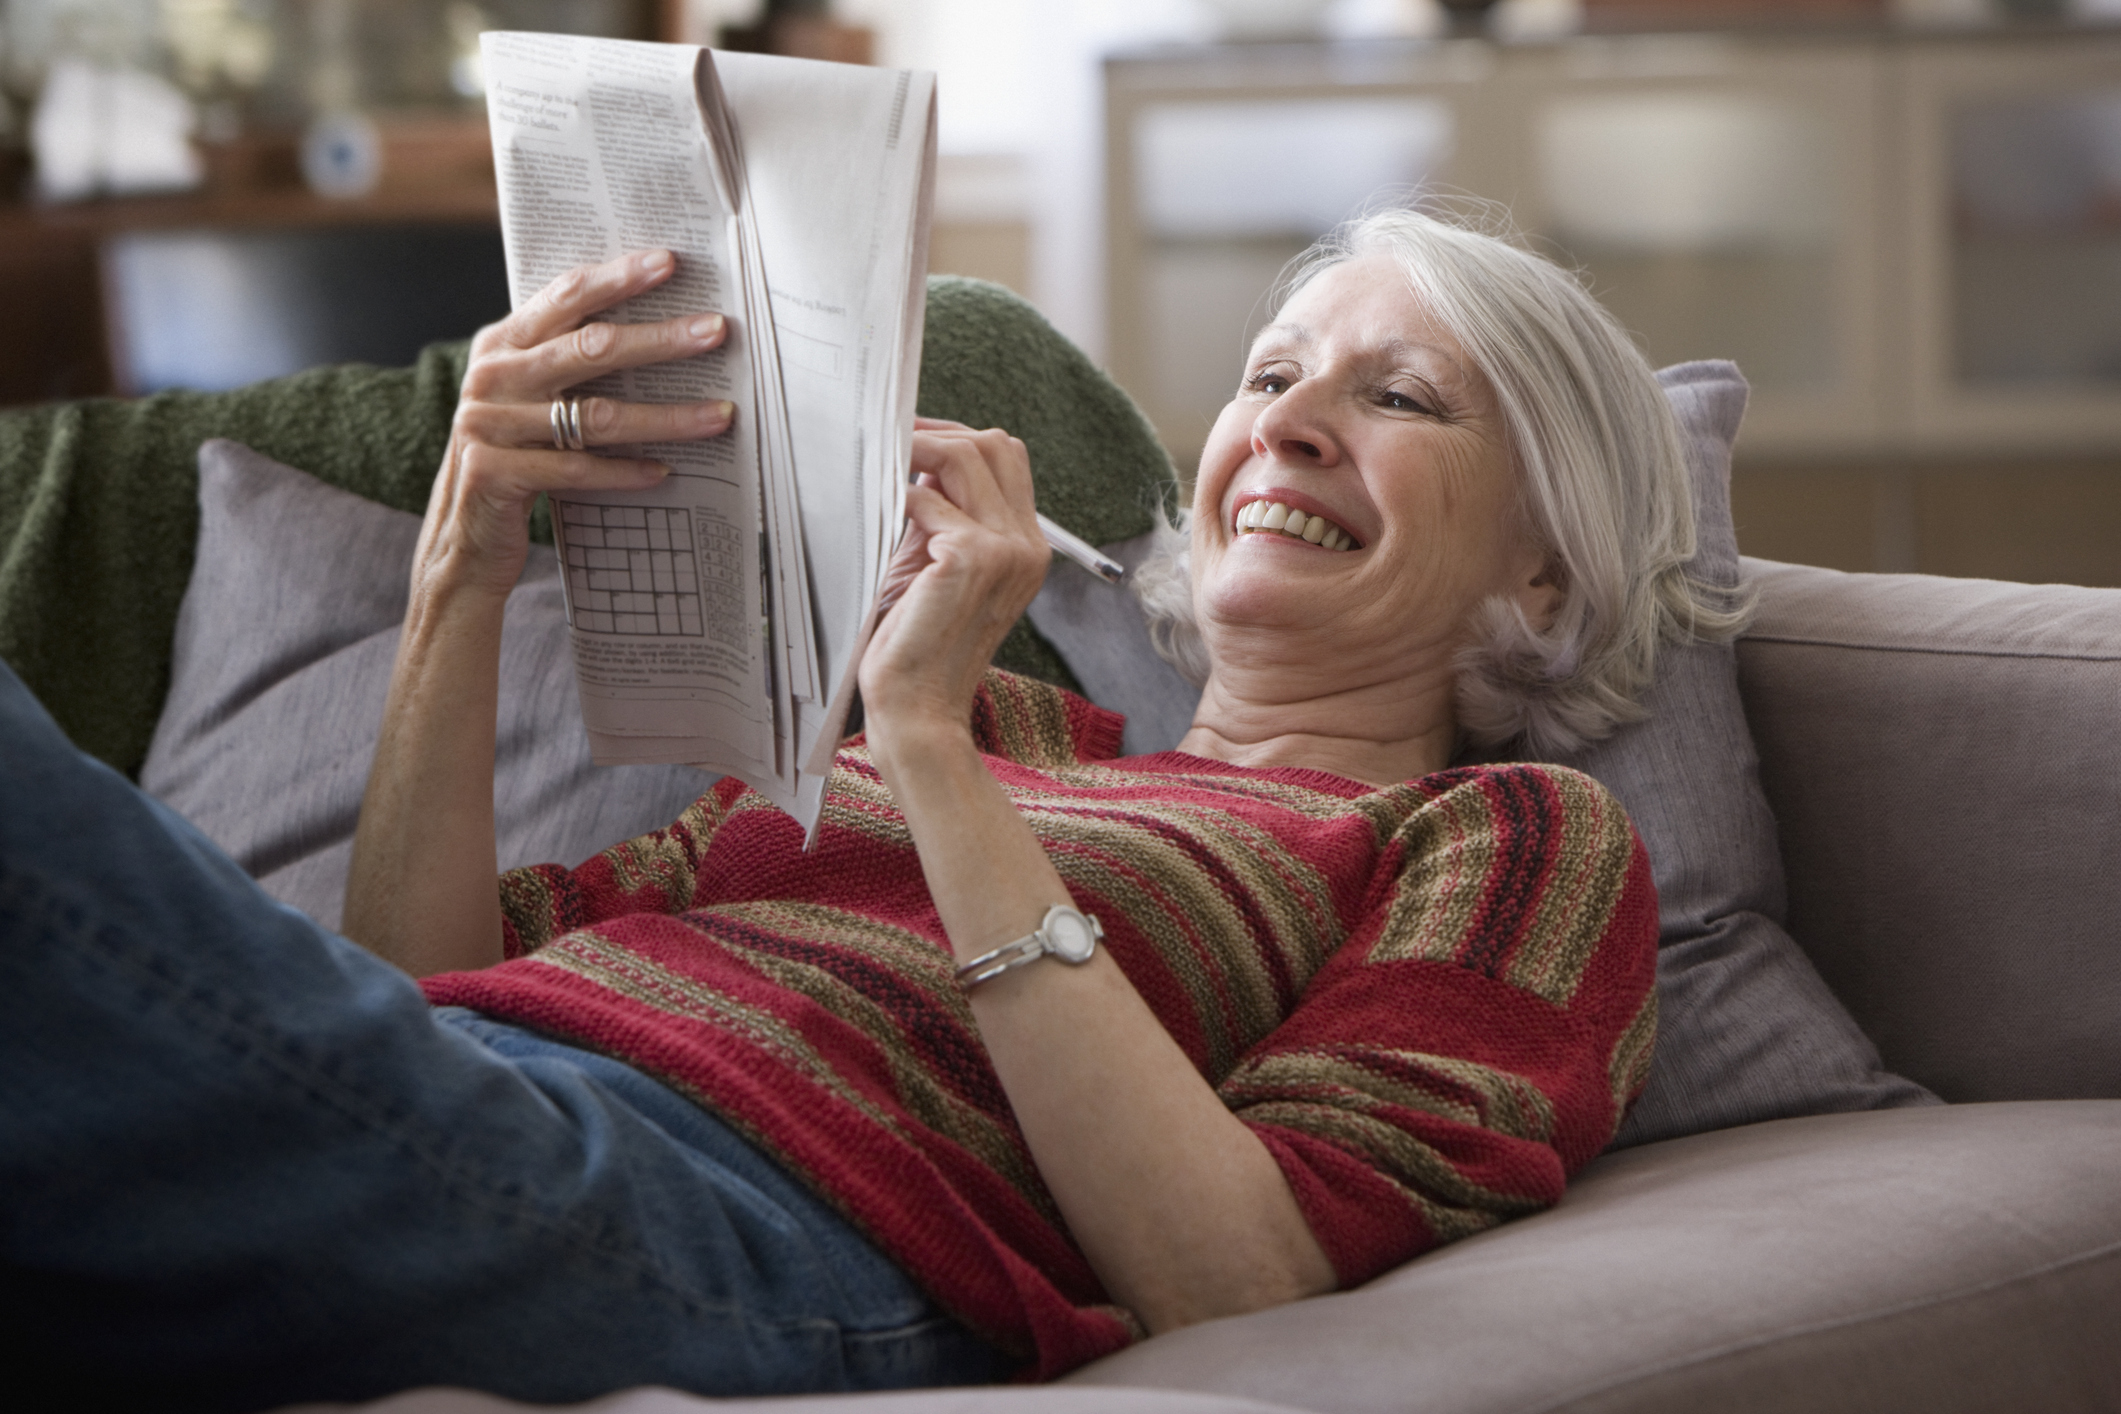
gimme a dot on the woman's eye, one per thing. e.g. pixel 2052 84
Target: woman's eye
pixel 1401 402
pixel 1266 381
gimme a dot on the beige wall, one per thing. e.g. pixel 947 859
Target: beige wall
pixel 988 250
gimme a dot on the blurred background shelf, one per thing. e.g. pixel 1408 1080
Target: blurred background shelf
pixel 1909 240
pixel 1908 236
pixel 255 275
pixel 1910 243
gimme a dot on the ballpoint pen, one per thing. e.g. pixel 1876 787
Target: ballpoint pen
pixel 1081 551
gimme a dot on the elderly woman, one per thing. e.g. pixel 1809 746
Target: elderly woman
pixel 1040 1050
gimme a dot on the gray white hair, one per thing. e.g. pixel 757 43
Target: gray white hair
pixel 1602 483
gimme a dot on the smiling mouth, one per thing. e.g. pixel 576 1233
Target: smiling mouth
pixel 1276 518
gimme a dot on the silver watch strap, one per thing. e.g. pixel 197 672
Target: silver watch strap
pixel 1029 948
pixel 990 965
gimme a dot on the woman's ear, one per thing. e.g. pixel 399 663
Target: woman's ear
pixel 1541 595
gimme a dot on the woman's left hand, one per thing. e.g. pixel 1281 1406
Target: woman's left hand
pixel 972 559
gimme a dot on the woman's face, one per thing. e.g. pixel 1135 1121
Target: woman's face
pixel 1361 417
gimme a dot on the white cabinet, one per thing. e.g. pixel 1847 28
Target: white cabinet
pixel 1723 199
pixel 1908 242
pixel 2011 180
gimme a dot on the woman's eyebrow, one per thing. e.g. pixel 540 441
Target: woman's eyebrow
pixel 1281 336
pixel 1398 348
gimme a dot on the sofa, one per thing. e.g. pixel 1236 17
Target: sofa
pixel 1942 756
pixel 1879 1164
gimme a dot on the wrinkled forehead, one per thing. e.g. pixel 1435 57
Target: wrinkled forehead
pixel 1366 307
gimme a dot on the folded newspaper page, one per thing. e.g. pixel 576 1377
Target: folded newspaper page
pixel 717 618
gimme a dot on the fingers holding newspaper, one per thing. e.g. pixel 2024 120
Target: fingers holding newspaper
pixel 502 451
pixel 973 557
pixel 420 890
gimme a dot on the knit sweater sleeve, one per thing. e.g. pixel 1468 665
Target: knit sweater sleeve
pixel 655 873
pixel 1480 1032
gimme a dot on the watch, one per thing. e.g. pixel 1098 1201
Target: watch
pixel 1065 933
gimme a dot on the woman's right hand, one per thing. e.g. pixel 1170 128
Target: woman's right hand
pixel 421 889
pixel 501 450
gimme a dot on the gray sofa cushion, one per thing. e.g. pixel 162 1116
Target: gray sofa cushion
pixel 1945 756
pixel 1747 1030
pixel 282 658
pixel 1938 1260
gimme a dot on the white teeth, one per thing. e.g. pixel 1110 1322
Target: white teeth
pixel 1277 516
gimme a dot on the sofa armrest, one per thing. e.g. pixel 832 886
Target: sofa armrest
pixel 1944 760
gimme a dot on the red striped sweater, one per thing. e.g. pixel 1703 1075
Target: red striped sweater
pixel 1432 1001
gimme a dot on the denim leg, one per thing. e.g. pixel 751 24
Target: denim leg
pixel 243 1164
pixel 895 1338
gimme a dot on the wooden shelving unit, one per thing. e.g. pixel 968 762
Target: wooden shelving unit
pixel 438 170
pixel 1852 317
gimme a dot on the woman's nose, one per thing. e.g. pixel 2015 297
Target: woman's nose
pixel 1295 427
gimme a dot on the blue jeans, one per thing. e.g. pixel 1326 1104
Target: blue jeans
pixel 242 1163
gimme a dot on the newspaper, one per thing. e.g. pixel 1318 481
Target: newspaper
pixel 717 618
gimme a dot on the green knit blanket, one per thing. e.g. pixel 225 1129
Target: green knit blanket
pixel 99 499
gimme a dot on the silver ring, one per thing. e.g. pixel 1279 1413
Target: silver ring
pixel 566 418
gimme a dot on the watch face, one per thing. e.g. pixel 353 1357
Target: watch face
pixel 1069 936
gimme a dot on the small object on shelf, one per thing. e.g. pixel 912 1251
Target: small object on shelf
pixel 216 48
pixel 342 154
pixel 467 70
pixel 109 131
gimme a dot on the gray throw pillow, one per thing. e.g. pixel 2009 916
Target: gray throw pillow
pixel 1747 1031
pixel 1100 632
pixel 282 659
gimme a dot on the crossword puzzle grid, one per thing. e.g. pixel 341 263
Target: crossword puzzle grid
pixel 635 569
